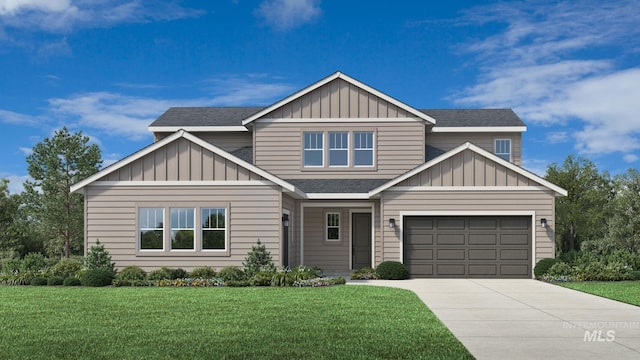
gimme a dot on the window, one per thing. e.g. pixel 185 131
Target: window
pixel 333 226
pixel 363 148
pixel 503 148
pixel 182 228
pixel 151 227
pixel 214 228
pixel 338 149
pixel 313 149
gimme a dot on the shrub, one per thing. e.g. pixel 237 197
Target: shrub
pixel 598 271
pixel 179 273
pixel 190 282
pixel 392 270
pixel 97 277
pixel 318 282
pixel 34 262
pixel 23 278
pixel 237 283
pixel 231 273
pixel 71 281
pixel 635 274
pixel 123 282
pixel 560 268
pixel 543 266
pixel 55 280
pixel 98 258
pixel 164 273
pixel 365 273
pixel 67 267
pixel 262 278
pixel 39 281
pixel 132 272
pixel 258 259
pixel 204 272
pixel 282 278
pixel 11 266
pixel 305 273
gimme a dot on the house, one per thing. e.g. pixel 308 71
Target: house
pixel 338 175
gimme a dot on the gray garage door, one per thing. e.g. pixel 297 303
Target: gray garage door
pixel 467 247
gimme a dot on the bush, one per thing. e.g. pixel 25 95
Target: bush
pixel 365 273
pixel 98 258
pixel 635 274
pixel 55 281
pixel 11 266
pixel 190 282
pixel 262 278
pixel 164 273
pixel 237 283
pixel 231 273
pixel 543 266
pixel 392 270
pixel 39 281
pixel 67 267
pixel 317 282
pixel 598 271
pixel 282 278
pixel 97 277
pixel 305 273
pixel 34 262
pixel 179 273
pixel 121 282
pixel 560 269
pixel 204 272
pixel 71 281
pixel 132 272
pixel 258 259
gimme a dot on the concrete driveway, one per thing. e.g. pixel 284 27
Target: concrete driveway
pixel 528 319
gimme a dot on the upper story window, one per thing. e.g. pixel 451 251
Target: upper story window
pixel 151 228
pixel 182 228
pixel 313 149
pixel 503 148
pixel 338 149
pixel 363 148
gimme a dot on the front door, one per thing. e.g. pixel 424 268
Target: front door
pixel 361 240
pixel 285 239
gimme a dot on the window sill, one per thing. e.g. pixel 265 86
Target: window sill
pixel 183 253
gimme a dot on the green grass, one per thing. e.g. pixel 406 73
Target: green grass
pixel 342 322
pixel 625 291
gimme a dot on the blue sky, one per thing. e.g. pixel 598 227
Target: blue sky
pixel 570 69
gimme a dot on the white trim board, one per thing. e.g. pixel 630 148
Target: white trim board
pixel 338 120
pixel 198 128
pixel 467 188
pixel 472 213
pixel 185 183
pixel 481 129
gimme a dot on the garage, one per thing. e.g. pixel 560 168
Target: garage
pixel 468 246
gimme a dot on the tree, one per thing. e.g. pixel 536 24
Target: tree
pixel 624 224
pixel 582 214
pixel 8 208
pixel 54 165
pixel 258 259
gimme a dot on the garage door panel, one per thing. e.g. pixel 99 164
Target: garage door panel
pixel 451 239
pixel 483 254
pixel 451 254
pixel 475 246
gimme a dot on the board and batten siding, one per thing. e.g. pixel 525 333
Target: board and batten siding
pixel 181 160
pixel 337 99
pixel 227 141
pixel 399 147
pixel 254 212
pixel 486 141
pixel 540 201
pixel 468 168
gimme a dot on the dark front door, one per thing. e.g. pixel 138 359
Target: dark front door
pixel 285 239
pixel 361 238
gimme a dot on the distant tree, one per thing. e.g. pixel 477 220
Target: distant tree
pixel 8 208
pixel 583 213
pixel 54 165
pixel 624 224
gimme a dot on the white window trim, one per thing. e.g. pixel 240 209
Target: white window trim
pixel 347 149
pixel 326 225
pixel 140 229
pixel 373 149
pixel 171 228
pixel 495 148
pixel 305 149
pixel 226 230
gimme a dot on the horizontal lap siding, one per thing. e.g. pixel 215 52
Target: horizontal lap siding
pixel 399 148
pixel 539 201
pixel 329 256
pixel 181 160
pixel 254 213
pixel 448 141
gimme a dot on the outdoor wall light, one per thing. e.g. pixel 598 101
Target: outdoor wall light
pixel 285 221
pixel 392 223
pixel 543 223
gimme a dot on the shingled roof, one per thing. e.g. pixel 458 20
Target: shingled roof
pixel 233 116
pixel 347 186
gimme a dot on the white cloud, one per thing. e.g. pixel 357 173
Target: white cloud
pixel 10 117
pixel 630 158
pixel 62 16
pixel 25 150
pixel 16 182
pixel 560 61
pixel 288 14
pixel 557 137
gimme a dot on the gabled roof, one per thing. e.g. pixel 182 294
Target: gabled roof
pixel 448 120
pixel 558 190
pixel 206 145
pixel 354 82
pixel 333 186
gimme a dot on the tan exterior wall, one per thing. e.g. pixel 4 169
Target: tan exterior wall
pixel 399 147
pixel 542 202
pixel 181 160
pixel 468 168
pixel 254 212
pixel 337 99
pixel 448 141
pixel 227 141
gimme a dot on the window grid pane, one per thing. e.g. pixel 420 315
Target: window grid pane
pixel 333 226
pixel 213 228
pixel 363 148
pixel 313 149
pixel 338 149
pixel 151 228
pixel 182 228
pixel 503 149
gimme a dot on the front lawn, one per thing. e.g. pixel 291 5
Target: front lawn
pixel 343 322
pixel 625 291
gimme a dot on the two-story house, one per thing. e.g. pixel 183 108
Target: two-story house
pixel 338 175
